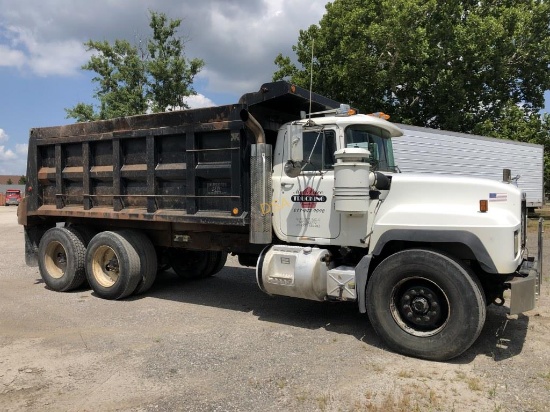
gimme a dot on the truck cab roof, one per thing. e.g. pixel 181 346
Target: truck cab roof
pixel 344 121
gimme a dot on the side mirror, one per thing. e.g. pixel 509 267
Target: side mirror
pixel 293 168
pixel 295 144
pixel 374 155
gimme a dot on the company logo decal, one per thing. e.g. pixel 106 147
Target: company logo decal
pixel 309 198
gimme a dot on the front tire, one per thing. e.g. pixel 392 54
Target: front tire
pixel 425 304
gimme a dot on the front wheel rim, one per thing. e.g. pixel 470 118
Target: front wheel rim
pixel 419 306
pixel 105 266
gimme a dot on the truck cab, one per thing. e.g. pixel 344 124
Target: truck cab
pixel 304 208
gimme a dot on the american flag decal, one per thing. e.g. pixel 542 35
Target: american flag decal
pixel 498 197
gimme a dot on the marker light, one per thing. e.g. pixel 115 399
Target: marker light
pixel 483 206
pixel 235 211
pixel 381 115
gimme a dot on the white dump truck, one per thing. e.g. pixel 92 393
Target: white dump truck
pixel 311 200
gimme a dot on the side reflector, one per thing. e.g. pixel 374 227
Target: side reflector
pixel 483 206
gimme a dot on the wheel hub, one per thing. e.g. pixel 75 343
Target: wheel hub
pixel 420 306
pixel 61 258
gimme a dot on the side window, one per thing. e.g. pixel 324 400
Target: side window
pixel 318 148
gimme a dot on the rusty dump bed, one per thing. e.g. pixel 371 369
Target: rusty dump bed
pixel 188 166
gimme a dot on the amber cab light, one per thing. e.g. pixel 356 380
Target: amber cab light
pixel 483 205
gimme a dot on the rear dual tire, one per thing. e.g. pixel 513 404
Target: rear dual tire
pixel 195 264
pixel 116 264
pixel 112 266
pixel 61 259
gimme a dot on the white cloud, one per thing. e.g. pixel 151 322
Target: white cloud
pixel 7 154
pixel 238 40
pixel 22 149
pixel 198 101
pixel 3 136
pixel 61 57
pixel 10 57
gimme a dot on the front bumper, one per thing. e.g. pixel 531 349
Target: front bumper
pixel 525 288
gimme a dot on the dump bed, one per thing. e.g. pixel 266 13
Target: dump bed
pixel 188 166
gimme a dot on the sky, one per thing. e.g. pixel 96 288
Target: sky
pixel 42 51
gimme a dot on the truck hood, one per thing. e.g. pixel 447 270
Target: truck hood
pixel 419 205
pixel 426 203
pixel 451 194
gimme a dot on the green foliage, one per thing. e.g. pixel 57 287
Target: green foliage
pixel 132 80
pixel 472 66
pixel 22 180
pixel 444 64
pixel 519 124
pixel 170 73
pixel 9 181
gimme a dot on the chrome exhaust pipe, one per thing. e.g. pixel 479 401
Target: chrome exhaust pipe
pixel 261 161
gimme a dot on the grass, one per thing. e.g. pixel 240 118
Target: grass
pixel 474 384
pixel 493 392
pixel 405 374
pixel 546 377
pixel 390 402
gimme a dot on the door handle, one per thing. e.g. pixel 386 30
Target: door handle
pixel 287 185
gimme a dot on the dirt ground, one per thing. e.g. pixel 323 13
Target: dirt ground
pixel 222 345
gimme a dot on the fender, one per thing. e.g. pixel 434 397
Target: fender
pixel 419 236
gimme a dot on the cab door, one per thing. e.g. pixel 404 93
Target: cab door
pixel 305 203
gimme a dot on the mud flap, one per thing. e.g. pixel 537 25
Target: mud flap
pixel 526 290
pixel 523 293
pixel 361 276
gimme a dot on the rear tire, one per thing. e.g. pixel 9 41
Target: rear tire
pixel 216 262
pixel 85 232
pixel 61 259
pixel 147 256
pixel 189 264
pixel 425 304
pixel 112 265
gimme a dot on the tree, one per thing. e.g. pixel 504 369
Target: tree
pixel 22 180
pixel 132 80
pixel 520 124
pixel 9 181
pixel 444 64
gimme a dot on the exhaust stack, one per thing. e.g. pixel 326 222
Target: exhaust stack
pixel 261 160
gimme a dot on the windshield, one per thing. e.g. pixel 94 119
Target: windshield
pixel 378 142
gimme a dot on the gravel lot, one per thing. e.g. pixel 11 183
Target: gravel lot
pixel 222 345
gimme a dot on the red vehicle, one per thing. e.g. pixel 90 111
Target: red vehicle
pixel 13 197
